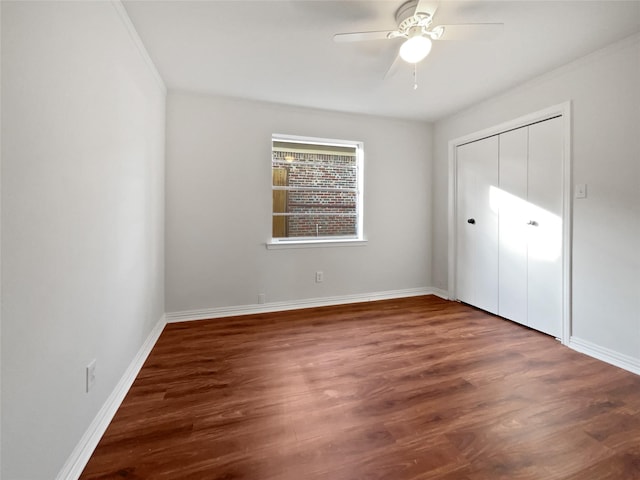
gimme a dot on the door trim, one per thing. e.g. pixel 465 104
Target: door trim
pixel 563 110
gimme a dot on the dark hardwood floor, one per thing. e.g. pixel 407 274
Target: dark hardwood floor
pixel 410 389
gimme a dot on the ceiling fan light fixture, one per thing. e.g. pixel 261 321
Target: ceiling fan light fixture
pixel 415 49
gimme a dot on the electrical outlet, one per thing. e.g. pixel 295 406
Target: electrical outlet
pixel 91 374
pixel 319 277
pixel 262 298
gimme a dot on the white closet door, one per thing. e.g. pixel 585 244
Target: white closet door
pixel 511 199
pixel 545 173
pixel 477 224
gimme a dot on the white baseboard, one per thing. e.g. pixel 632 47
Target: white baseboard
pixel 605 354
pixel 78 459
pixel 438 292
pixel 219 312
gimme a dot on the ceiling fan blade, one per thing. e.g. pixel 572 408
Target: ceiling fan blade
pixel 470 31
pixel 361 36
pixel 393 68
pixel 427 6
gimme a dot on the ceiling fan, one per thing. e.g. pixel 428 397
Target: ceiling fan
pixel 415 26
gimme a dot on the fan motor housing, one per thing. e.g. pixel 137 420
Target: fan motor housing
pixel 408 18
pixel 406 10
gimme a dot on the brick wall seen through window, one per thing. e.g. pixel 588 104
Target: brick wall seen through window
pixel 316 190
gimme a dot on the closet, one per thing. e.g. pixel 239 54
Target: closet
pixel 509 230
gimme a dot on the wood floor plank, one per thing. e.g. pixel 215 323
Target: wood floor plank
pixel 408 389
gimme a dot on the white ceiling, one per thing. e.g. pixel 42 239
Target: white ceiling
pixel 283 51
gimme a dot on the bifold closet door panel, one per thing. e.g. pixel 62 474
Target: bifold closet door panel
pixel 477 224
pixel 511 199
pixel 545 174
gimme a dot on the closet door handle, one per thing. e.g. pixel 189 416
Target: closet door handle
pixel 471 221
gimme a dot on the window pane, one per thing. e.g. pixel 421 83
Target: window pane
pixel 318 170
pixel 317 201
pixel 333 176
pixel 318 225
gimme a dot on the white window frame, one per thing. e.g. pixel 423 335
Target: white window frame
pixel 333 241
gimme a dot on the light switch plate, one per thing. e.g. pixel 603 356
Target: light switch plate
pixel 581 190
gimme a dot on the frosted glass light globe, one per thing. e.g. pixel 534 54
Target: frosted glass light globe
pixel 415 49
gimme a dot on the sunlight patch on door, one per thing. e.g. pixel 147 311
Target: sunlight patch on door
pixel 524 225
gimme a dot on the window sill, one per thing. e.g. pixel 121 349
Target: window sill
pixel 271 245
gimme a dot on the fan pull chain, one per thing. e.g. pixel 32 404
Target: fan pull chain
pixel 415 76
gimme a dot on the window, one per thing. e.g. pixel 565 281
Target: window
pixel 317 190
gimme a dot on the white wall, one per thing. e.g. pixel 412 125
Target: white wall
pixel 82 221
pixel 219 206
pixel 603 88
pixel 0 244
